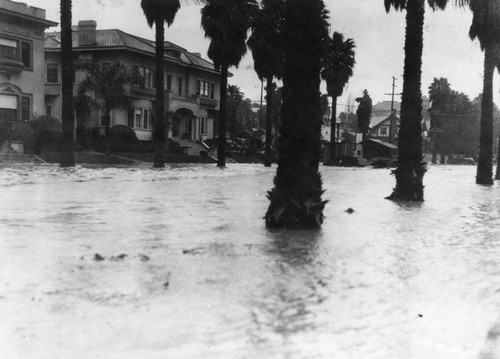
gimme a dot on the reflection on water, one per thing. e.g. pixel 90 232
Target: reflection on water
pixel 201 277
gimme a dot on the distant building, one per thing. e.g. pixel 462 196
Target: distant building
pixel 192 84
pixel 22 63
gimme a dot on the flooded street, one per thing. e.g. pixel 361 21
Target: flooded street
pixel 201 277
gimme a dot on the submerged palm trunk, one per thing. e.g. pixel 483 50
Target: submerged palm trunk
pixel 159 134
pixel 67 155
pixel 332 159
pixel 410 171
pixel 269 122
pixel 221 152
pixel 484 173
pixel 296 196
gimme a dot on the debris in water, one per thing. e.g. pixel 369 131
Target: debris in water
pixel 143 257
pixel 350 210
pixel 166 284
pixel 98 257
pixel 119 257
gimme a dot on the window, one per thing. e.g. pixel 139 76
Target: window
pixel 142 118
pixel 147 77
pixel 8 107
pixel 48 110
pixel 169 82
pixel 25 108
pixel 205 89
pixel 384 131
pixel 179 86
pixel 26 53
pixel 138 118
pixel 144 77
pixel 8 48
pixel 203 125
pixel 52 73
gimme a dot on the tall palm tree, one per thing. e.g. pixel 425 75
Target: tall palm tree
pixel 410 170
pixel 159 12
pixel 296 197
pixel 67 155
pixel 106 89
pixel 267 51
pixel 337 69
pixel 486 28
pixel 226 24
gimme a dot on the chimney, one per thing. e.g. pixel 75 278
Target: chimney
pixel 86 32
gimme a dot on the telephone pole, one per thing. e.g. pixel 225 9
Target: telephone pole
pixel 392 110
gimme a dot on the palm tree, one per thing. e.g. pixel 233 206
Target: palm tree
pixel 486 28
pixel 337 69
pixel 410 171
pixel 158 12
pixel 67 155
pixel 296 197
pixel 106 89
pixel 267 51
pixel 226 24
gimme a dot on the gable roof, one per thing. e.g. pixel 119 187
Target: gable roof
pixel 117 39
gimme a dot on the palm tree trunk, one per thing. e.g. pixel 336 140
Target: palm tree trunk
pixel 269 121
pixel 410 171
pixel 159 134
pixel 221 151
pixel 296 196
pixel 332 159
pixel 67 155
pixel 484 174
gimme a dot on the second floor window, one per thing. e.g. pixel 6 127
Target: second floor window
pixel 8 48
pixel 384 131
pixel 169 82
pixel 205 89
pixel 14 49
pixel 52 73
pixel 144 77
pixel 179 86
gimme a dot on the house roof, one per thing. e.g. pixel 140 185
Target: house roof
pixel 117 39
pixel 382 143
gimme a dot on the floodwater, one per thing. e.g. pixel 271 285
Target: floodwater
pixel 203 278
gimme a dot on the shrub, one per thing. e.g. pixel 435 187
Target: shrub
pixel 21 131
pixel 173 147
pixel 47 133
pixel 123 139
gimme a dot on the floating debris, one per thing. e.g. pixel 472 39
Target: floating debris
pixel 98 257
pixel 349 210
pixel 119 257
pixel 167 283
pixel 143 257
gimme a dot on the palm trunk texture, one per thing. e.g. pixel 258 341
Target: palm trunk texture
pixel 159 129
pixel 410 171
pixel 484 174
pixel 269 121
pixel 221 151
pixel 68 125
pixel 296 197
pixel 332 159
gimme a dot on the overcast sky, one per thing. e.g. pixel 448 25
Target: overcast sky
pixel 379 38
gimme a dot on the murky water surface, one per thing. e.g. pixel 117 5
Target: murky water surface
pixel 203 278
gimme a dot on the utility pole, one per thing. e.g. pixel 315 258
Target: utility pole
pixel 392 109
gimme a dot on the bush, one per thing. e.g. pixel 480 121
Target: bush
pixel 21 131
pixel 47 133
pixel 173 147
pixel 123 139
